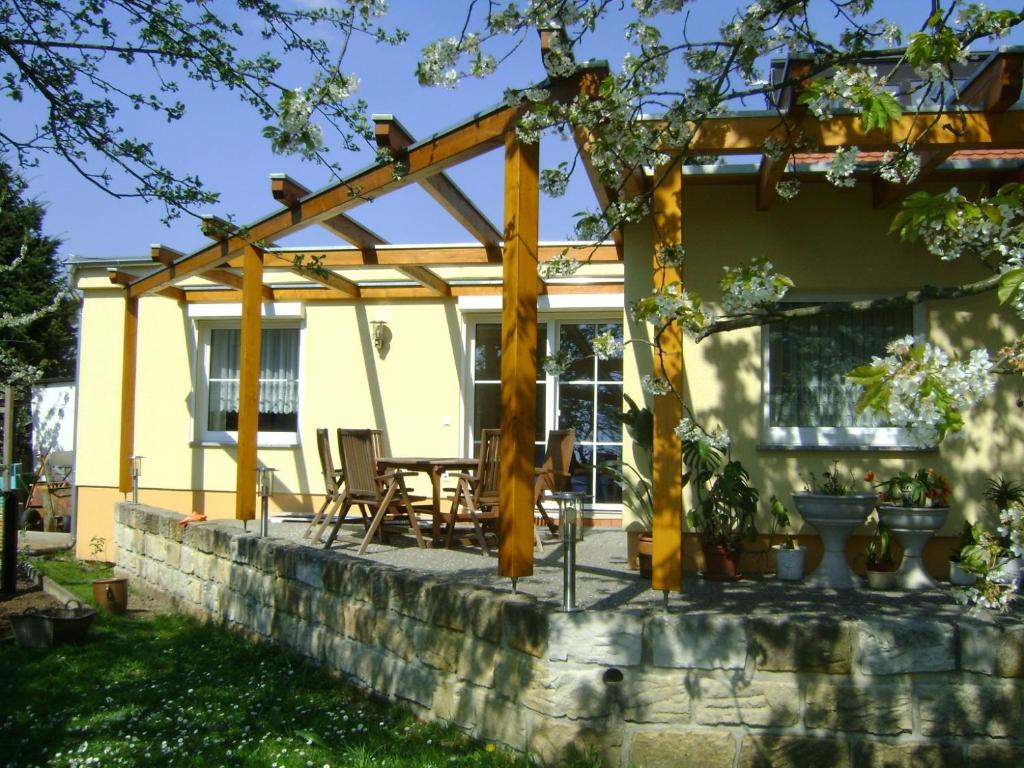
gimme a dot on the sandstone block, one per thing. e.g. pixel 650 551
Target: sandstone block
pixel 872 754
pixel 992 649
pixel 697 641
pixel 682 749
pixel 573 693
pixel 241 548
pixel 792 752
pixel 1000 755
pixel 330 612
pixel 731 701
pixel 187 562
pixel 222 538
pixel 554 741
pixel 880 709
pixel 656 697
pixel 172 556
pixel 525 626
pixel 309 567
pixel 436 647
pixel 818 645
pixel 293 597
pixel 481 610
pixel 200 537
pixel 596 637
pixel 478 661
pixel 969 710
pixel 911 645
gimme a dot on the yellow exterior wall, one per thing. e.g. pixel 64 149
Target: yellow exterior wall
pixel 832 242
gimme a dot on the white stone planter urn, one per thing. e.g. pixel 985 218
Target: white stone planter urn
pixel 912 527
pixel 834 517
pixel 789 563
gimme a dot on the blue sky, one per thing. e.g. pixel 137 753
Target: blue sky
pixel 220 141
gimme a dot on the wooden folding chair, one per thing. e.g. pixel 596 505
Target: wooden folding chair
pixel 476 495
pixel 372 492
pixel 555 471
pixel 332 487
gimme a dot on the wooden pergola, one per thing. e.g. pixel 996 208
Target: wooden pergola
pixel 235 261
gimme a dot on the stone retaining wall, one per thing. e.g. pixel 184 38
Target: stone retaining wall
pixel 641 688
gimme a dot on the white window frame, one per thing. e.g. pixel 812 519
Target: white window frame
pixel 206 436
pixel 866 438
pixel 602 311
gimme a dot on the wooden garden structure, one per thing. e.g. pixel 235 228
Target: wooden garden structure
pixel 236 259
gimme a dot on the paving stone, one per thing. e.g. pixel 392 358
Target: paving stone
pixel 792 752
pixel 724 701
pixel 873 754
pixel 968 710
pixel 596 637
pixel 879 709
pixel 656 696
pixel 554 741
pixel 682 749
pixel 525 626
pixel 697 641
pixel 911 645
pixel 820 645
pixel 992 649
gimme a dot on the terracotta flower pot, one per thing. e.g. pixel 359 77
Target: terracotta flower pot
pixel 111 595
pixel 644 554
pixel 721 563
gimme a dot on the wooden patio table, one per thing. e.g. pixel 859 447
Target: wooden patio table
pixel 435 467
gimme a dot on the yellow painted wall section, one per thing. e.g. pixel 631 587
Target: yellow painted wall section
pixel 832 241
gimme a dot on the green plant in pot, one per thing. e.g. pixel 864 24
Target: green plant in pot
pixel 726 504
pixel 880 560
pixel 789 556
pixel 638 495
pixel 960 576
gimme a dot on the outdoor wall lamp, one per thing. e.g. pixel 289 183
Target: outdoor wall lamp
pixel 380 335
pixel 136 472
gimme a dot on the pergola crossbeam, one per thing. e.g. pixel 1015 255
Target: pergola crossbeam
pixel 394 137
pixel 286 190
pixel 323 276
pixel 774 167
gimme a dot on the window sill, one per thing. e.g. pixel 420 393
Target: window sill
pixel 288 445
pixel 851 448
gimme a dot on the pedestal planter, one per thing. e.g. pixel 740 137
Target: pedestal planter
pixel 912 527
pixel 834 517
pixel 789 563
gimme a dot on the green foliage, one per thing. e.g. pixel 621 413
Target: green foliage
pixel 37 312
pixel 171 691
pixel 66 56
pixel 879 554
pixel 780 522
pixel 639 423
pixel 727 503
pixel 1003 492
pixel 637 490
pixel 833 483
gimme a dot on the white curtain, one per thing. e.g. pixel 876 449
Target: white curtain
pixel 279 372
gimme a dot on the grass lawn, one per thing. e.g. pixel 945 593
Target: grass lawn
pixel 170 691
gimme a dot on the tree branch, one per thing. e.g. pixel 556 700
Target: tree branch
pixel 908 299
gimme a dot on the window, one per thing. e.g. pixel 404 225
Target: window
pixel 587 397
pixel 807 399
pixel 279 385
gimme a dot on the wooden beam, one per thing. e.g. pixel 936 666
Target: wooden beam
pixel 352 231
pixel 249 384
pixel 431 256
pixel 667 562
pixel 518 358
pixel 473 138
pixel 164 254
pixel 324 277
pixel 129 361
pixel 392 135
pixel 772 169
pixel 994 88
pixel 396 293
pixel 231 280
pixel 286 190
pixel 117 277
pixel 214 227
pixel 427 279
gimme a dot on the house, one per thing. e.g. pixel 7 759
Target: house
pixel 209 363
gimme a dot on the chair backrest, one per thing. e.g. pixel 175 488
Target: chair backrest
pixel 358 448
pixel 323 446
pixel 557 462
pixel 487 466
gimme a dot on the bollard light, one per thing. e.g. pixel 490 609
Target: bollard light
pixel 265 488
pixel 570 528
pixel 136 472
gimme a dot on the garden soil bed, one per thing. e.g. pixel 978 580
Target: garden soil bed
pixel 27 595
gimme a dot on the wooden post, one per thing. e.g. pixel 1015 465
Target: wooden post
pixel 518 358
pixel 249 382
pixel 667 561
pixel 129 352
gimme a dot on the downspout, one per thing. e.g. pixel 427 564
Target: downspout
pixel 78 399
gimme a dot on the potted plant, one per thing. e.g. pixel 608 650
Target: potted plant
pixel 959 576
pixel 881 564
pixel 1007 496
pixel 638 495
pixel 724 513
pixel 789 556
pixel 915 506
pixel 834 508
pixel 109 594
